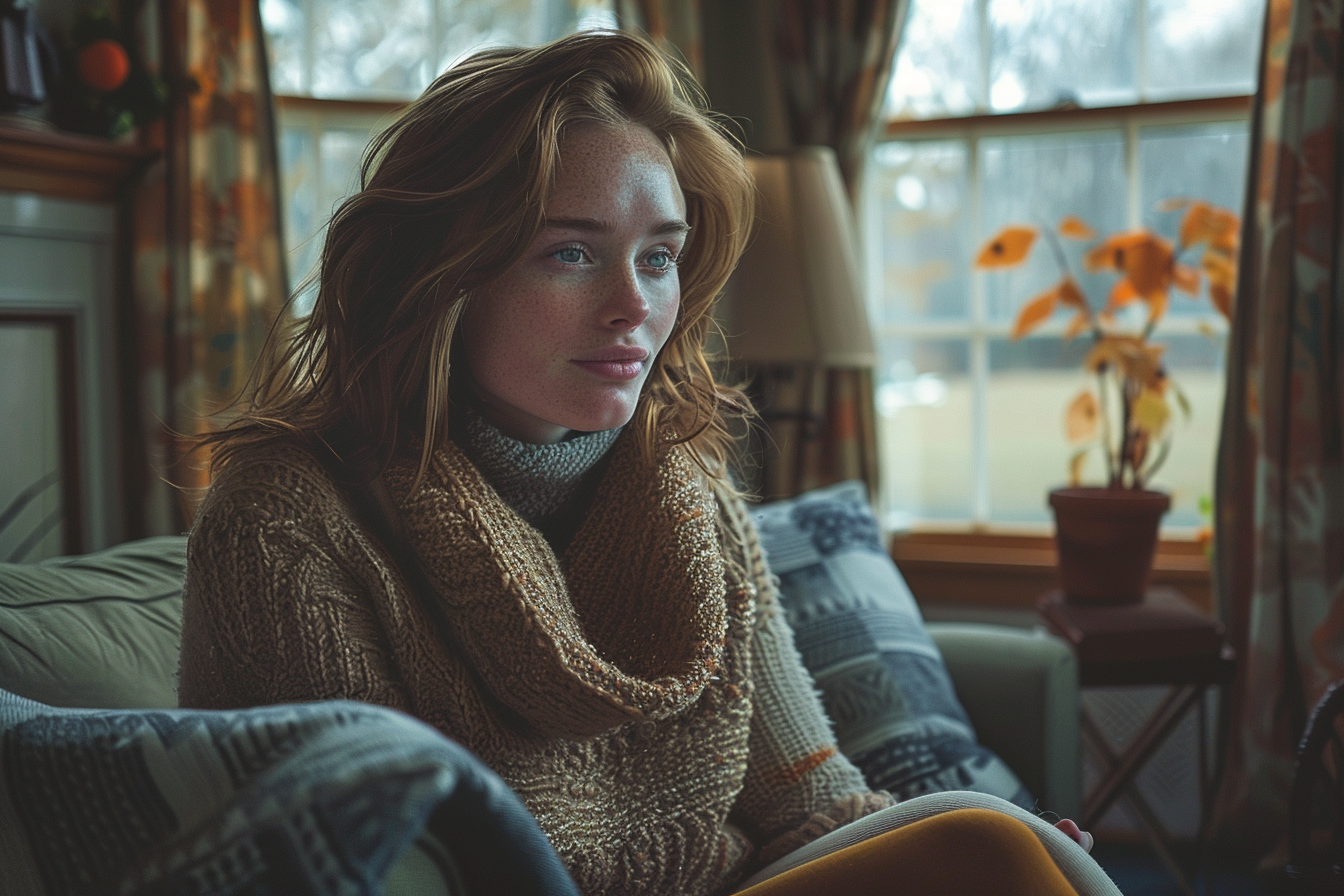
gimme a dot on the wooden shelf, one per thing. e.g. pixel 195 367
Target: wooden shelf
pixel 67 166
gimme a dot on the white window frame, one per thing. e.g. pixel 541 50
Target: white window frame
pixel 978 329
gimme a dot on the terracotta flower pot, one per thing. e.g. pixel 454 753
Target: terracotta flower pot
pixel 1106 539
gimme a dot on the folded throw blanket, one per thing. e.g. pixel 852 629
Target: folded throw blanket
pixel 317 798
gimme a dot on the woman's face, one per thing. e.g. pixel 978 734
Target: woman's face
pixel 565 338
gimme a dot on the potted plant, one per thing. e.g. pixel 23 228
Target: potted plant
pixel 1106 535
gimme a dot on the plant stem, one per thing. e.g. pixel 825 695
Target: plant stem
pixel 1126 436
pixel 1111 472
pixel 1058 249
pixel 1062 260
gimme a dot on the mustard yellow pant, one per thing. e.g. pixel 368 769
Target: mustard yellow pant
pixel 958 853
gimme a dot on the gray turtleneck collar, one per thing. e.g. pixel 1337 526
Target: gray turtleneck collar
pixel 548 485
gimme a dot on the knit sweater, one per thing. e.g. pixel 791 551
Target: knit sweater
pixel 641 693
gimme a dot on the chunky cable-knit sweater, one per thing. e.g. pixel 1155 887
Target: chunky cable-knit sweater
pixel 641 692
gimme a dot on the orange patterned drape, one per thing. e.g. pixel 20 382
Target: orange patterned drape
pixel 674 26
pixel 1279 534
pixel 209 273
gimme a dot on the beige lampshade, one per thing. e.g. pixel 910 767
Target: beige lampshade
pixel 797 295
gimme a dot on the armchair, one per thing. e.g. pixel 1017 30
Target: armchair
pixel 101 631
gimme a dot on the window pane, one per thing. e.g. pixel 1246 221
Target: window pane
pixel 298 173
pixel 1195 363
pixel 921 190
pixel 1048 53
pixel 341 149
pixel 370 47
pixel 470 25
pixel 924 406
pixel 1202 47
pixel 1037 180
pixel 1206 161
pixel 938 62
pixel 1030 384
pixel 285 26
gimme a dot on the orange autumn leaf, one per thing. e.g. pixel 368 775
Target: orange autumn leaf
pixel 1075 228
pixel 1205 223
pixel 1221 272
pixel 1080 421
pixel 1136 359
pixel 1009 247
pixel 1035 312
pixel 1149 263
pixel 1071 295
pixel 1076 467
pixel 1076 326
pixel 1144 258
pixel 1227 231
pixel 1150 412
pixel 1122 294
pixel 1109 254
pixel 1186 279
pixel 1197 225
pixel 1221 297
pixel 1219 269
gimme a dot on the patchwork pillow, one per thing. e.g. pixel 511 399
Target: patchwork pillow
pixel 862 637
pixel 98 630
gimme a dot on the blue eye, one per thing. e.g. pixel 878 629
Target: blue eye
pixel 569 255
pixel 662 260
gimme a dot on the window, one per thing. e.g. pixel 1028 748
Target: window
pixel 1024 111
pixel 342 68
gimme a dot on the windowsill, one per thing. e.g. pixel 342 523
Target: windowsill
pixel 1005 571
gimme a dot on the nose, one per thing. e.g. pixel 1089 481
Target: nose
pixel 624 306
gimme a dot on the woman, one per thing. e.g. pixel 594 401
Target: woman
pixel 485 483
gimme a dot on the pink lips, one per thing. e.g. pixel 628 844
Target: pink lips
pixel 618 363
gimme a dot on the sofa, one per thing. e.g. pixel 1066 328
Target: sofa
pixel 100 631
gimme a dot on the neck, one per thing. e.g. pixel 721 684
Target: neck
pixel 547 484
pixel 516 424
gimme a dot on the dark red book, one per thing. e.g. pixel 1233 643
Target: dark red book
pixel 1164 626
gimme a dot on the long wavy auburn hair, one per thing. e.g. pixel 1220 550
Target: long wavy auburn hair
pixel 452 194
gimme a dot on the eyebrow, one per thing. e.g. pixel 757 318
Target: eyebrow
pixel 592 225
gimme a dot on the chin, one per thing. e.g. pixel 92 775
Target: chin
pixel 598 419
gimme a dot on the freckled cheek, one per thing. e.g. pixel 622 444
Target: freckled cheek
pixel 663 317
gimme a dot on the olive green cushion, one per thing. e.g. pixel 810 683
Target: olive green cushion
pixel 98 630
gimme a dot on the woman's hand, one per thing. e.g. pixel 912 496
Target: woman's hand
pixel 1083 838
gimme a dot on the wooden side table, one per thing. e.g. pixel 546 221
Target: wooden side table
pixel 1164 640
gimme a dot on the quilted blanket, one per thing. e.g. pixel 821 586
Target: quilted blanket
pixel 317 798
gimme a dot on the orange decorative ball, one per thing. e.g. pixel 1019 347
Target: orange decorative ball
pixel 104 65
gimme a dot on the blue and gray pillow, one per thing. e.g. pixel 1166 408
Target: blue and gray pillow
pixel 862 637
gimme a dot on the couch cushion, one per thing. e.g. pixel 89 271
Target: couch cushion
pixel 97 630
pixel 862 637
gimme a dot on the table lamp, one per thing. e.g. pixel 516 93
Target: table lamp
pixel 797 295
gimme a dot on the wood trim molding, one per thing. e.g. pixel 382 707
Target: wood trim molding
pixel 1013 571
pixel 1211 107
pixel 356 107
pixel 66 166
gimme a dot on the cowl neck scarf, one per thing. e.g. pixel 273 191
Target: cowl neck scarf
pixel 631 627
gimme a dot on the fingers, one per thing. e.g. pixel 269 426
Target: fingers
pixel 1081 837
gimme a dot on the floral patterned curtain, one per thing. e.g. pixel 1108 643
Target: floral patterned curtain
pixel 209 273
pixel 1279 542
